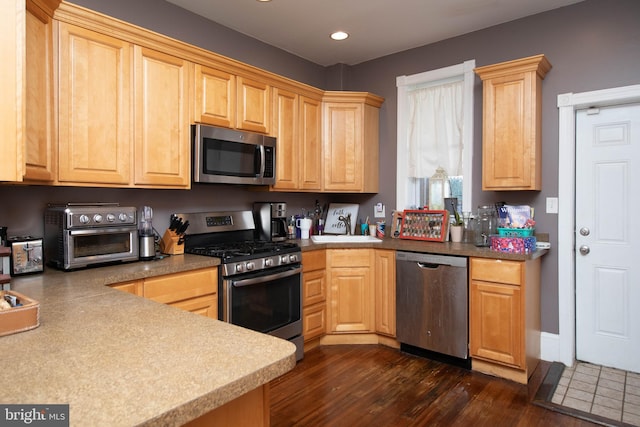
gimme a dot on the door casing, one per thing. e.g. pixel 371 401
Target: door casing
pixel 568 103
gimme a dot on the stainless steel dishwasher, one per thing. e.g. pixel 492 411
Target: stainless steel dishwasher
pixel 432 302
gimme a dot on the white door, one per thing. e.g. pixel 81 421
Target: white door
pixel 607 236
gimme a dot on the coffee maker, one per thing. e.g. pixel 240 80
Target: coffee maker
pixel 271 221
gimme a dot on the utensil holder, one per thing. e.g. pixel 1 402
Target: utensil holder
pixel 170 243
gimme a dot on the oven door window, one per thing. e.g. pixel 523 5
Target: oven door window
pixel 230 158
pixel 96 244
pixel 266 303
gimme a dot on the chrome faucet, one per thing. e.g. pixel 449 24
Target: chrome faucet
pixel 347 222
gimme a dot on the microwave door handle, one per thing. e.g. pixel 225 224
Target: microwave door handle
pixel 261 160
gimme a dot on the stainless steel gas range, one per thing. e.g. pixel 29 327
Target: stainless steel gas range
pixel 260 282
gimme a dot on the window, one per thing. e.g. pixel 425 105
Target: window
pixel 435 128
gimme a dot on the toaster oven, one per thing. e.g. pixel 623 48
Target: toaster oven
pixel 84 235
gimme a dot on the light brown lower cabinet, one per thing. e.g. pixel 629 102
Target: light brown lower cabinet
pixel 359 306
pixel 385 289
pixel 250 409
pixel 504 317
pixel 314 295
pixel 351 293
pixel 194 291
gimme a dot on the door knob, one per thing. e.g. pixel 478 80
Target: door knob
pixel 585 231
pixel 584 249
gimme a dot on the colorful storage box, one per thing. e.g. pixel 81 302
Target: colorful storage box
pixel 513 245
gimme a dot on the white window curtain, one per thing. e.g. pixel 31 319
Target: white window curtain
pixel 434 136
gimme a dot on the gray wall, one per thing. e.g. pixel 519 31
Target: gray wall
pixel 591 45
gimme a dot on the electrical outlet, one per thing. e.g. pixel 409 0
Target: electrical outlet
pixel 379 211
pixel 552 205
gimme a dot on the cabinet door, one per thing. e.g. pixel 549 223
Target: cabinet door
pixel 162 133
pixel 285 115
pixel 40 138
pixel 351 301
pixel 496 323
pixel 385 288
pixel 253 105
pixel 310 125
pixel 509 135
pixel 176 287
pixel 12 90
pixel 215 93
pixel 343 147
pixel 95 120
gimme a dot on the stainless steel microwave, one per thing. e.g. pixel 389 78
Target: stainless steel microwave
pixel 228 156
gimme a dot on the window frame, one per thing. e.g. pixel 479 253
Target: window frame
pixel 463 71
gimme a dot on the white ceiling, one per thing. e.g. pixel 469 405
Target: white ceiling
pixel 377 27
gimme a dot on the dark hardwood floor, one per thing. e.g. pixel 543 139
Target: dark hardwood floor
pixel 371 385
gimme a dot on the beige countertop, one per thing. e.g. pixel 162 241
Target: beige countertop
pixel 122 360
pixel 442 248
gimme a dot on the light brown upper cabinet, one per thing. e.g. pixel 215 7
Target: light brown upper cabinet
pixel 297 127
pixel 253 112
pixel 95 107
pixel 215 94
pixel 511 138
pixel 162 131
pixel 40 138
pixel 350 141
pixel 117 130
pixel 26 121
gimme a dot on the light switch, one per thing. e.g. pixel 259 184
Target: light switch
pixel 379 211
pixel 552 205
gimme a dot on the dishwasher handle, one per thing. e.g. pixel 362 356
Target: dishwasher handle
pixel 429 265
pixel 427 260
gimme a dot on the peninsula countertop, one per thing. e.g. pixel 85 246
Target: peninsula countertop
pixel 123 360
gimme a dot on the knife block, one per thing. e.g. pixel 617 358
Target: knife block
pixel 169 244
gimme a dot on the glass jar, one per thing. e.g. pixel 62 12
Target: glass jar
pixel 486 223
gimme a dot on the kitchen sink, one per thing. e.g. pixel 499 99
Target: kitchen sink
pixel 343 238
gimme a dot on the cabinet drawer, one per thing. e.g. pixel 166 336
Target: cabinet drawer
pixel 496 270
pixel 350 257
pixel 314 321
pixel 314 260
pixel 314 288
pixel 181 286
pixel 134 287
pixel 205 306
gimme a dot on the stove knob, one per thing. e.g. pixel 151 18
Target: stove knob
pixel 284 259
pixel 250 265
pixel 268 262
pixel 84 219
pixel 97 218
pixel 111 217
pixel 293 258
pixel 239 268
pixel 122 217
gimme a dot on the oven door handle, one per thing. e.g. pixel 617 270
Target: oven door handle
pixel 268 278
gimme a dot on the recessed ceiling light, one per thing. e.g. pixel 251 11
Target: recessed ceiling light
pixel 339 35
pixel 263 1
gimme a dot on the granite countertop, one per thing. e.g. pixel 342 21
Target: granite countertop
pixel 122 360
pixel 442 248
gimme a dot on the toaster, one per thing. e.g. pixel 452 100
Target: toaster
pixel 26 255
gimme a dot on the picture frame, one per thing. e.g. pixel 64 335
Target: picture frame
pixel 333 225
